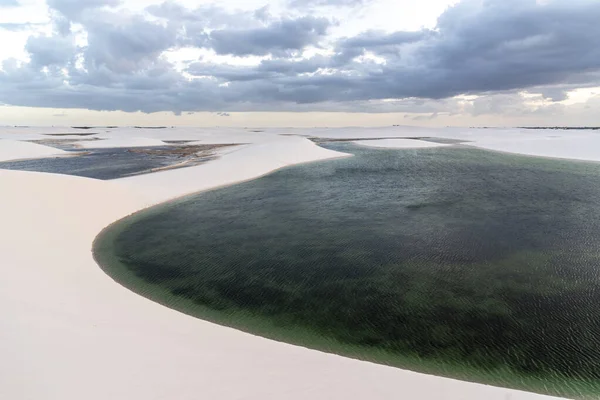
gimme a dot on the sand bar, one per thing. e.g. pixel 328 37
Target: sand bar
pixel 17 150
pixel 398 144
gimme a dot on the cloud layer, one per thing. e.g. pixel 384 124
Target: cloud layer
pixel 8 3
pixel 477 47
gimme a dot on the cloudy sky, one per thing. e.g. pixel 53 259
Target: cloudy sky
pixel 300 62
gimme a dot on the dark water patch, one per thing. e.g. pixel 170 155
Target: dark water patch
pixel 459 262
pixel 116 163
pixel 69 134
pixel 342 140
pixel 94 127
pixel 64 144
pixel 422 138
pixel 442 140
pixel 179 141
pixel 563 128
pixel 181 151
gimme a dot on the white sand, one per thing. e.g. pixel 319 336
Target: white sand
pixel 575 145
pixel 360 132
pixel 37 133
pixel 17 150
pixel 398 144
pixel 69 332
pixel 71 138
pixel 235 165
pixel 120 142
pixel 571 144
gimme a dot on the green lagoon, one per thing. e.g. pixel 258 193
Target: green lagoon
pixel 451 261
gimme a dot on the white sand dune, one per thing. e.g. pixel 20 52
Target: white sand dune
pixel 575 145
pixel 361 132
pixel 236 165
pixel 571 144
pixel 69 332
pixel 17 150
pixel 71 138
pixel 38 133
pixel 398 143
pixel 212 135
pixel 120 142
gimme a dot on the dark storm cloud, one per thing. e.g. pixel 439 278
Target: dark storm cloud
pixel 500 45
pixel 504 45
pixel 50 50
pixel 240 33
pixel 204 16
pixel 476 48
pixel 73 8
pixel 267 69
pixel 277 37
pixel 554 93
pixel 125 44
pixel 227 72
pixel 379 41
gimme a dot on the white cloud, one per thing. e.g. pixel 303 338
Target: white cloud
pixel 378 56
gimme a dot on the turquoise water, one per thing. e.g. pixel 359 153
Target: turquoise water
pixel 454 261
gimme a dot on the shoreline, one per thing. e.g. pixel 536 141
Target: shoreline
pixel 87 321
pixel 299 336
pixel 534 156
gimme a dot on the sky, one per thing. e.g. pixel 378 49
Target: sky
pixel 300 62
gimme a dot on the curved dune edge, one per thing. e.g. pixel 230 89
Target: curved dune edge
pixel 11 150
pixel 70 332
pixel 120 142
pixel 398 144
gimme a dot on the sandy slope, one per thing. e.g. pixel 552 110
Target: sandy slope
pixel 398 143
pixel 69 332
pixel 37 133
pixel 116 142
pixel 572 144
pixel 238 164
pixel 17 150
pixel 575 144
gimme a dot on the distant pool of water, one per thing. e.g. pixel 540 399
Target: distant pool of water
pixel 102 164
pixel 452 261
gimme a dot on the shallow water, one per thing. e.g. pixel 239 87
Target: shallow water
pixel 454 261
pixel 102 164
